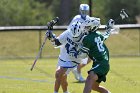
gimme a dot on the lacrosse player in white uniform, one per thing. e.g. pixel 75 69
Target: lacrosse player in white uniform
pixel 84 11
pixel 69 43
pixel 82 17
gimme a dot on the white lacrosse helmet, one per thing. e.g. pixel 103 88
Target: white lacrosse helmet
pixel 76 31
pixel 84 10
pixel 91 24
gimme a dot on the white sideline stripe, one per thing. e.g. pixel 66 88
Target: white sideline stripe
pixel 26 79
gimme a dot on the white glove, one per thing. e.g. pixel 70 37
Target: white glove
pixel 110 24
pixel 50 35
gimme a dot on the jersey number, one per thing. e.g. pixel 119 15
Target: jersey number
pixel 99 44
pixel 68 48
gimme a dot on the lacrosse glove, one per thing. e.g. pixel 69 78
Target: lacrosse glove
pixel 50 25
pixel 110 24
pixel 50 35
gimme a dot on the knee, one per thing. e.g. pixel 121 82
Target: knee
pixel 95 88
pixel 64 82
pixel 92 76
pixel 89 79
pixel 58 75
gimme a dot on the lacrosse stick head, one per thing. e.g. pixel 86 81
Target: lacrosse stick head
pixel 52 23
pixel 123 14
pixel 115 30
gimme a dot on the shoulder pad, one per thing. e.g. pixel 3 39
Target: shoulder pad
pixel 95 18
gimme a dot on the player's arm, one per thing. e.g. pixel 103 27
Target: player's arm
pixel 57 41
pixel 108 28
pixel 54 40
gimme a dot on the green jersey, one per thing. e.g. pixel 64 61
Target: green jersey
pixel 93 45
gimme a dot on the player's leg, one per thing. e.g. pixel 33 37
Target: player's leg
pixel 91 84
pixel 63 69
pixel 91 79
pixel 83 64
pixel 97 74
pixel 77 71
pixel 64 83
pixel 96 87
pixel 58 76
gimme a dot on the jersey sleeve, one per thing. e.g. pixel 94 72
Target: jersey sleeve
pixel 103 36
pixel 106 35
pixel 62 37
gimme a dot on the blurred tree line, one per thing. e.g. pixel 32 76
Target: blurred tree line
pixel 39 12
pixel 24 12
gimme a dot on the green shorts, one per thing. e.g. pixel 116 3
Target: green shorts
pixel 101 69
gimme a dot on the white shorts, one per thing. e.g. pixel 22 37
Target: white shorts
pixel 84 61
pixel 66 64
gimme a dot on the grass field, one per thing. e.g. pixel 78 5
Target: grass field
pixel 16 77
pixel 26 44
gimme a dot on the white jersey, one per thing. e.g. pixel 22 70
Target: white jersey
pixel 78 18
pixel 67 45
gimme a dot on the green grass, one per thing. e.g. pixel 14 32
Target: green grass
pixel 26 44
pixel 16 77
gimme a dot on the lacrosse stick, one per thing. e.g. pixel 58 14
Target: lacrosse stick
pixel 50 27
pixel 123 15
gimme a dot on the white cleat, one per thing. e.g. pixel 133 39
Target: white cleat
pixel 78 76
pixel 81 79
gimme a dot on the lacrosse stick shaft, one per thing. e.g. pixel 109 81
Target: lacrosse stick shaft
pixel 50 26
pixel 39 53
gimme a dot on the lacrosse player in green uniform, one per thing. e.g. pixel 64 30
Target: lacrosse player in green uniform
pixel 94 47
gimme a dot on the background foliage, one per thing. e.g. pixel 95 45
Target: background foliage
pixel 38 12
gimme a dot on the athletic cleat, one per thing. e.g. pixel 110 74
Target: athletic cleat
pixel 81 79
pixel 78 76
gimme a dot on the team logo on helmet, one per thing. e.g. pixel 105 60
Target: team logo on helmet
pixel 76 30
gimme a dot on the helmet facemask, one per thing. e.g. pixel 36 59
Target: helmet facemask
pixel 84 10
pixel 76 31
pixel 91 24
pixel 88 28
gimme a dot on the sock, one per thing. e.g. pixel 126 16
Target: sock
pixel 55 92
